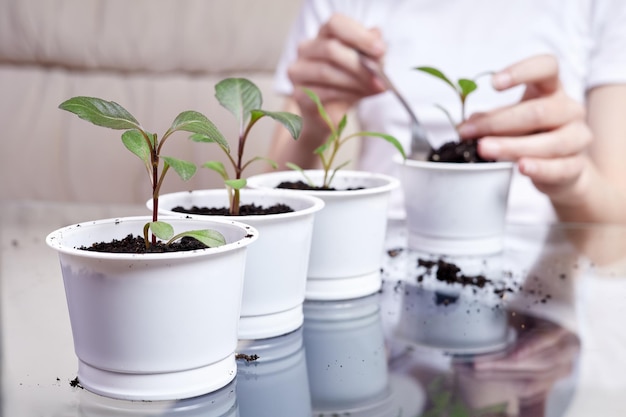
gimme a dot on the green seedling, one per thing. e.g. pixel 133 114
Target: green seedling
pixel 147 146
pixel 328 151
pixel 244 100
pixel 463 88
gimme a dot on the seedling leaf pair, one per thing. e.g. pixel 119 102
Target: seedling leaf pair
pixel 244 100
pixel 327 152
pixel 147 147
pixel 463 88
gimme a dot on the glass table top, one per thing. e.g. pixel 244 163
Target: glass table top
pixel 532 331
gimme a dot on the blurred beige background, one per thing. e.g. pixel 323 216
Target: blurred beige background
pixel 154 57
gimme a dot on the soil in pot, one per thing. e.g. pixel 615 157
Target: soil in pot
pixel 136 244
pixel 465 151
pixel 244 210
pixel 301 185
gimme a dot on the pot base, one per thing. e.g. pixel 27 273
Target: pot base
pixel 343 288
pixel 158 386
pixel 270 325
pixel 475 246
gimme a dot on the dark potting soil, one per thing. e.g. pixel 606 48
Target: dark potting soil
pixel 244 210
pixel 136 244
pixel 450 273
pixel 301 185
pixel 465 151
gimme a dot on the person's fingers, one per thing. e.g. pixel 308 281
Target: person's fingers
pixel 571 139
pixel 541 71
pixel 542 113
pixel 322 61
pixel 354 35
pixel 310 73
pixel 551 175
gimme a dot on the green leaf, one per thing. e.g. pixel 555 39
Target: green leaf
pixel 342 125
pixel 217 167
pixel 322 148
pixel 101 112
pixel 435 72
pixel 467 86
pixel 270 162
pixel 391 139
pixel 448 115
pixel 184 169
pixel 295 167
pixel 211 238
pixel 320 109
pixel 199 124
pixel 220 140
pixel 291 122
pixel 239 96
pixel 136 143
pixel 161 230
pixel 236 184
pixel 337 168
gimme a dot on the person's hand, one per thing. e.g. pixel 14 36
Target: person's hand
pixel 329 65
pixel 545 133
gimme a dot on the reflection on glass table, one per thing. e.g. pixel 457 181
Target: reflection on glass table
pixel 533 331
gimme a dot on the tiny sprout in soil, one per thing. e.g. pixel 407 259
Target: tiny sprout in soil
pixel 464 151
pixel 147 146
pixel 327 152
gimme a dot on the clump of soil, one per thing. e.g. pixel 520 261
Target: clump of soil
pixel 136 244
pixel 450 273
pixel 244 210
pixel 75 383
pixel 301 185
pixel 247 358
pixel 465 151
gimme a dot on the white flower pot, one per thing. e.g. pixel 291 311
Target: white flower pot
pixel 349 233
pixel 455 208
pixel 153 326
pixel 276 384
pixel 275 277
pixel 346 357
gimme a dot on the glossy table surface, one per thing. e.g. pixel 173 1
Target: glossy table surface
pixel 535 330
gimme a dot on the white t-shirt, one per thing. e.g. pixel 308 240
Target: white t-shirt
pixel 465 38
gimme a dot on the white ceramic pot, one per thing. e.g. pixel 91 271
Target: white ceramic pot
pixel 455 208
pixel 346 357
pixel 276 384
pixel 153 326
pixel 349 233
pixel 275 277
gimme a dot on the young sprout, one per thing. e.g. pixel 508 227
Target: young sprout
pixel 147 146
pixel 244 100
pixel 463 88
pixel 328 151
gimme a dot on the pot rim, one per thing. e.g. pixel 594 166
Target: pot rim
pixel 454 166
pixel 391 183
pixel 55 239
pixel 316 204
